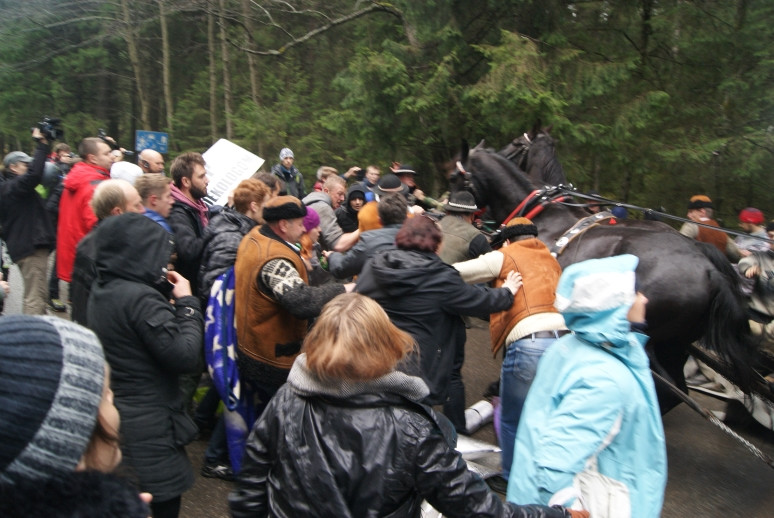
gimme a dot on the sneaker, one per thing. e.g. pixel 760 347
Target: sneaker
pixel 218 470
pixel 57 305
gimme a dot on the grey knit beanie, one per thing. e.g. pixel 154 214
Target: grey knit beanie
pixel 51 380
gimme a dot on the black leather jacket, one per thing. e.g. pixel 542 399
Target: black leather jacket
pixel 359 450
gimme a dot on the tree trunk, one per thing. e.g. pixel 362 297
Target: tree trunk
pixel 134 58
pixel 645 31
pixel 165 65
pixel 213 77
pixel 227 99
pixel 251 58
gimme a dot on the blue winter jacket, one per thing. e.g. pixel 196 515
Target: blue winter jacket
pixel 584 381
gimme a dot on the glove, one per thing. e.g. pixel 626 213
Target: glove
pixel 578 514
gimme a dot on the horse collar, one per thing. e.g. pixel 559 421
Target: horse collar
pixel 579 228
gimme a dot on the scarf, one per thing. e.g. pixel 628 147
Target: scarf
pixel 198 205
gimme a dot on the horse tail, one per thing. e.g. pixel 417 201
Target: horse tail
pixel 728 330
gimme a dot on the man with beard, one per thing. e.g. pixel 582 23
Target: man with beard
pixel 189 214
pixel 188 218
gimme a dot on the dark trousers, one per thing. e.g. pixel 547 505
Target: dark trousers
pixel 166 509
pixel 454 407
pixel 53 282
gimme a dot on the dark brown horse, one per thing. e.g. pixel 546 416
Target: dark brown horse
pixel 692 290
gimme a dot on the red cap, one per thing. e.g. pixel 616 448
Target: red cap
pixel 751 215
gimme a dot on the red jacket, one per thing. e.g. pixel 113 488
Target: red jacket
pixel 75 215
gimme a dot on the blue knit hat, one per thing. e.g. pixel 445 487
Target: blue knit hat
pixel 286 152
pixel 52 374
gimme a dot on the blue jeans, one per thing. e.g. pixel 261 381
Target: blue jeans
pixel 518 371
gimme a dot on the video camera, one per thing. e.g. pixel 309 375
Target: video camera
pixel 110 141
pixel 50 129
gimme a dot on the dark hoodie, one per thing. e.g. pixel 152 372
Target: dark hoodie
pixel 425 297
pixel 346 216
pixel 148 343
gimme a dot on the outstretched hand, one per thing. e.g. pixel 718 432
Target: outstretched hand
pixel 513 281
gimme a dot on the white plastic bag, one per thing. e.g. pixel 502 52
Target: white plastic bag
pixel 601 496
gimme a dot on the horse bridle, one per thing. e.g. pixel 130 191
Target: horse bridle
pixel 530 206
pixel 520 151
pixel 467 183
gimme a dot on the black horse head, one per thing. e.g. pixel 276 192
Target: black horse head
pixel 493 180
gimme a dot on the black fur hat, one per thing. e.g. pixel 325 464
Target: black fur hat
pixel 700 201
pixel 283 207
pixel 519 227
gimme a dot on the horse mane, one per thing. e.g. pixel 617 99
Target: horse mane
pixel 512 170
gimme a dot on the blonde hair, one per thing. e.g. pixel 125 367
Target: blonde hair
pixel 325 171
pixel 108 195
pixel 151 183
pixel 354 340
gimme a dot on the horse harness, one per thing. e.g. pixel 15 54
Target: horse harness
pixel 520 150
pixel 579 228
pixel 536 201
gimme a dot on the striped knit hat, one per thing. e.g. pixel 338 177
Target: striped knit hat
pixel 52 374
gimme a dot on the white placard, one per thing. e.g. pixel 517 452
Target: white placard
pixel 227 164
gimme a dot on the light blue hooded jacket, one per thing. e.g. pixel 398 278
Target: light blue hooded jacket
pixel 586 380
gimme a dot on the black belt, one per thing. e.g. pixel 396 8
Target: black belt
pixel 549 334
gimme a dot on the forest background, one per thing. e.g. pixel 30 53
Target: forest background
pixel 651 101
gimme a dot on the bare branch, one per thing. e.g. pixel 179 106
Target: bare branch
pixel 374 7
pixel 759 145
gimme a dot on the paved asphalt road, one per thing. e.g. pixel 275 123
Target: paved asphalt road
pixel 710 475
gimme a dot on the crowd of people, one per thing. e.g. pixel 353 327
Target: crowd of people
pixel 342 324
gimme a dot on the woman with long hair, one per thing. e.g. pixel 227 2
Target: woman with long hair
pixel 347 436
